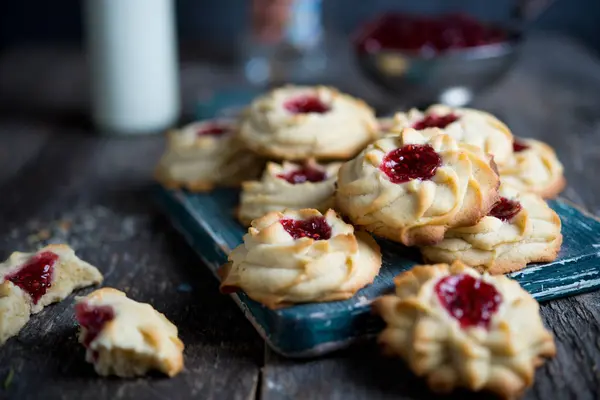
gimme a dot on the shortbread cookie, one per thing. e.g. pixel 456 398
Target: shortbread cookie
pixel 520 229
pixel 206 154
pixel 288 186
pixel 31 281
pixel 301 256
pixel 385 125
pixel 533 167
pixel 298 122
pixel 457 328
pixel 125 338
pixel 466 125
pixel 413 186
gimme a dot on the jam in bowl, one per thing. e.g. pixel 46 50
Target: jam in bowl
pixel 424 60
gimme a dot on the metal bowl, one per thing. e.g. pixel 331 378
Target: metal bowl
pixel 451 78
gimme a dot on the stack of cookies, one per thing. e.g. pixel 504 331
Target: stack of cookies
pixel 453 182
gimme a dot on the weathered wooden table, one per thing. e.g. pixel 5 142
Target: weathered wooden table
pixel 60 182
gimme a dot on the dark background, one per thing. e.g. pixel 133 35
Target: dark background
pixel 220 23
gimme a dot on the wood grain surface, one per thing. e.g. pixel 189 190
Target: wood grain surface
pixel 59 182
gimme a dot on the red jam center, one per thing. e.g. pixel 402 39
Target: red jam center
pixel 471 301
pixel 519 146
pixel 35 276
pixel 426 35
pixel 212 129
pixel 93 319
pixel 304 174
pixel 412 161
pixel 505 209
pixel 306 105
pixel 315 228
pixel 435 121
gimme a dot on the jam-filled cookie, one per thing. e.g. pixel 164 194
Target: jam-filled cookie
pixel 298 122
pixel 413 186
pixel 385 125
pixel 520 229
pixel 31 281
pixel 125 338
pixel 288 186
pixel 301 256
pixel 457 328
pixel 466 125
pixel 206 154
pixel 533 167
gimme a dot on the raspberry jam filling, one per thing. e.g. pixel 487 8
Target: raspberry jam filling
pixel 306 105
pixel 304 174
pixel 471 301
pixel 315 228
pixel 213 129
pixel 426 35
pixel 412 161
pixel 35 276
pixel 435 121
pixel 519 146
pixel 505 209
pixel 93 319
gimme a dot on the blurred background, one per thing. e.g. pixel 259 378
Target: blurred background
pixel 228 50
pixel 219 24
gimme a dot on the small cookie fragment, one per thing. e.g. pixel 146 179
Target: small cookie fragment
pixel 465 125
pixel 520 229
pixel 31 281
pixel 125 338
pixel 288 186
pixel 413 186
pixel 299 122
pixel 533 167
pixel 458 328
pixel 205 154
pixel 301 256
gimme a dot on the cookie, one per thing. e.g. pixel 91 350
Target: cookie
pixel 31 281
pixel 301 256
pixel 466 125
pixel 385 125
pixel 534 168
pixel 125 338
pixel 299 122
pixel 206 154
pixel 457 328
pixel 288 186
pixel 413 186
pixel 520 229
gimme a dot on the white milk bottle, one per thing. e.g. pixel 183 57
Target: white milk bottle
pixel 133 61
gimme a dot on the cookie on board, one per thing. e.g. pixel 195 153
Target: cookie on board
pixel 520 229
pixel 288 185
pixel 301 256
pixel 413 186
pixel 299 122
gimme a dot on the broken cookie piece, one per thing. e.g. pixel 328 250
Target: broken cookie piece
pixel 126 338
pixel 31 281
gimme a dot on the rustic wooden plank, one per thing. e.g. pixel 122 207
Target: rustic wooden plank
pixel 552 94
pixel 91 192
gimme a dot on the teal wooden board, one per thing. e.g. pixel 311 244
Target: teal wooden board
pixel 207 222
